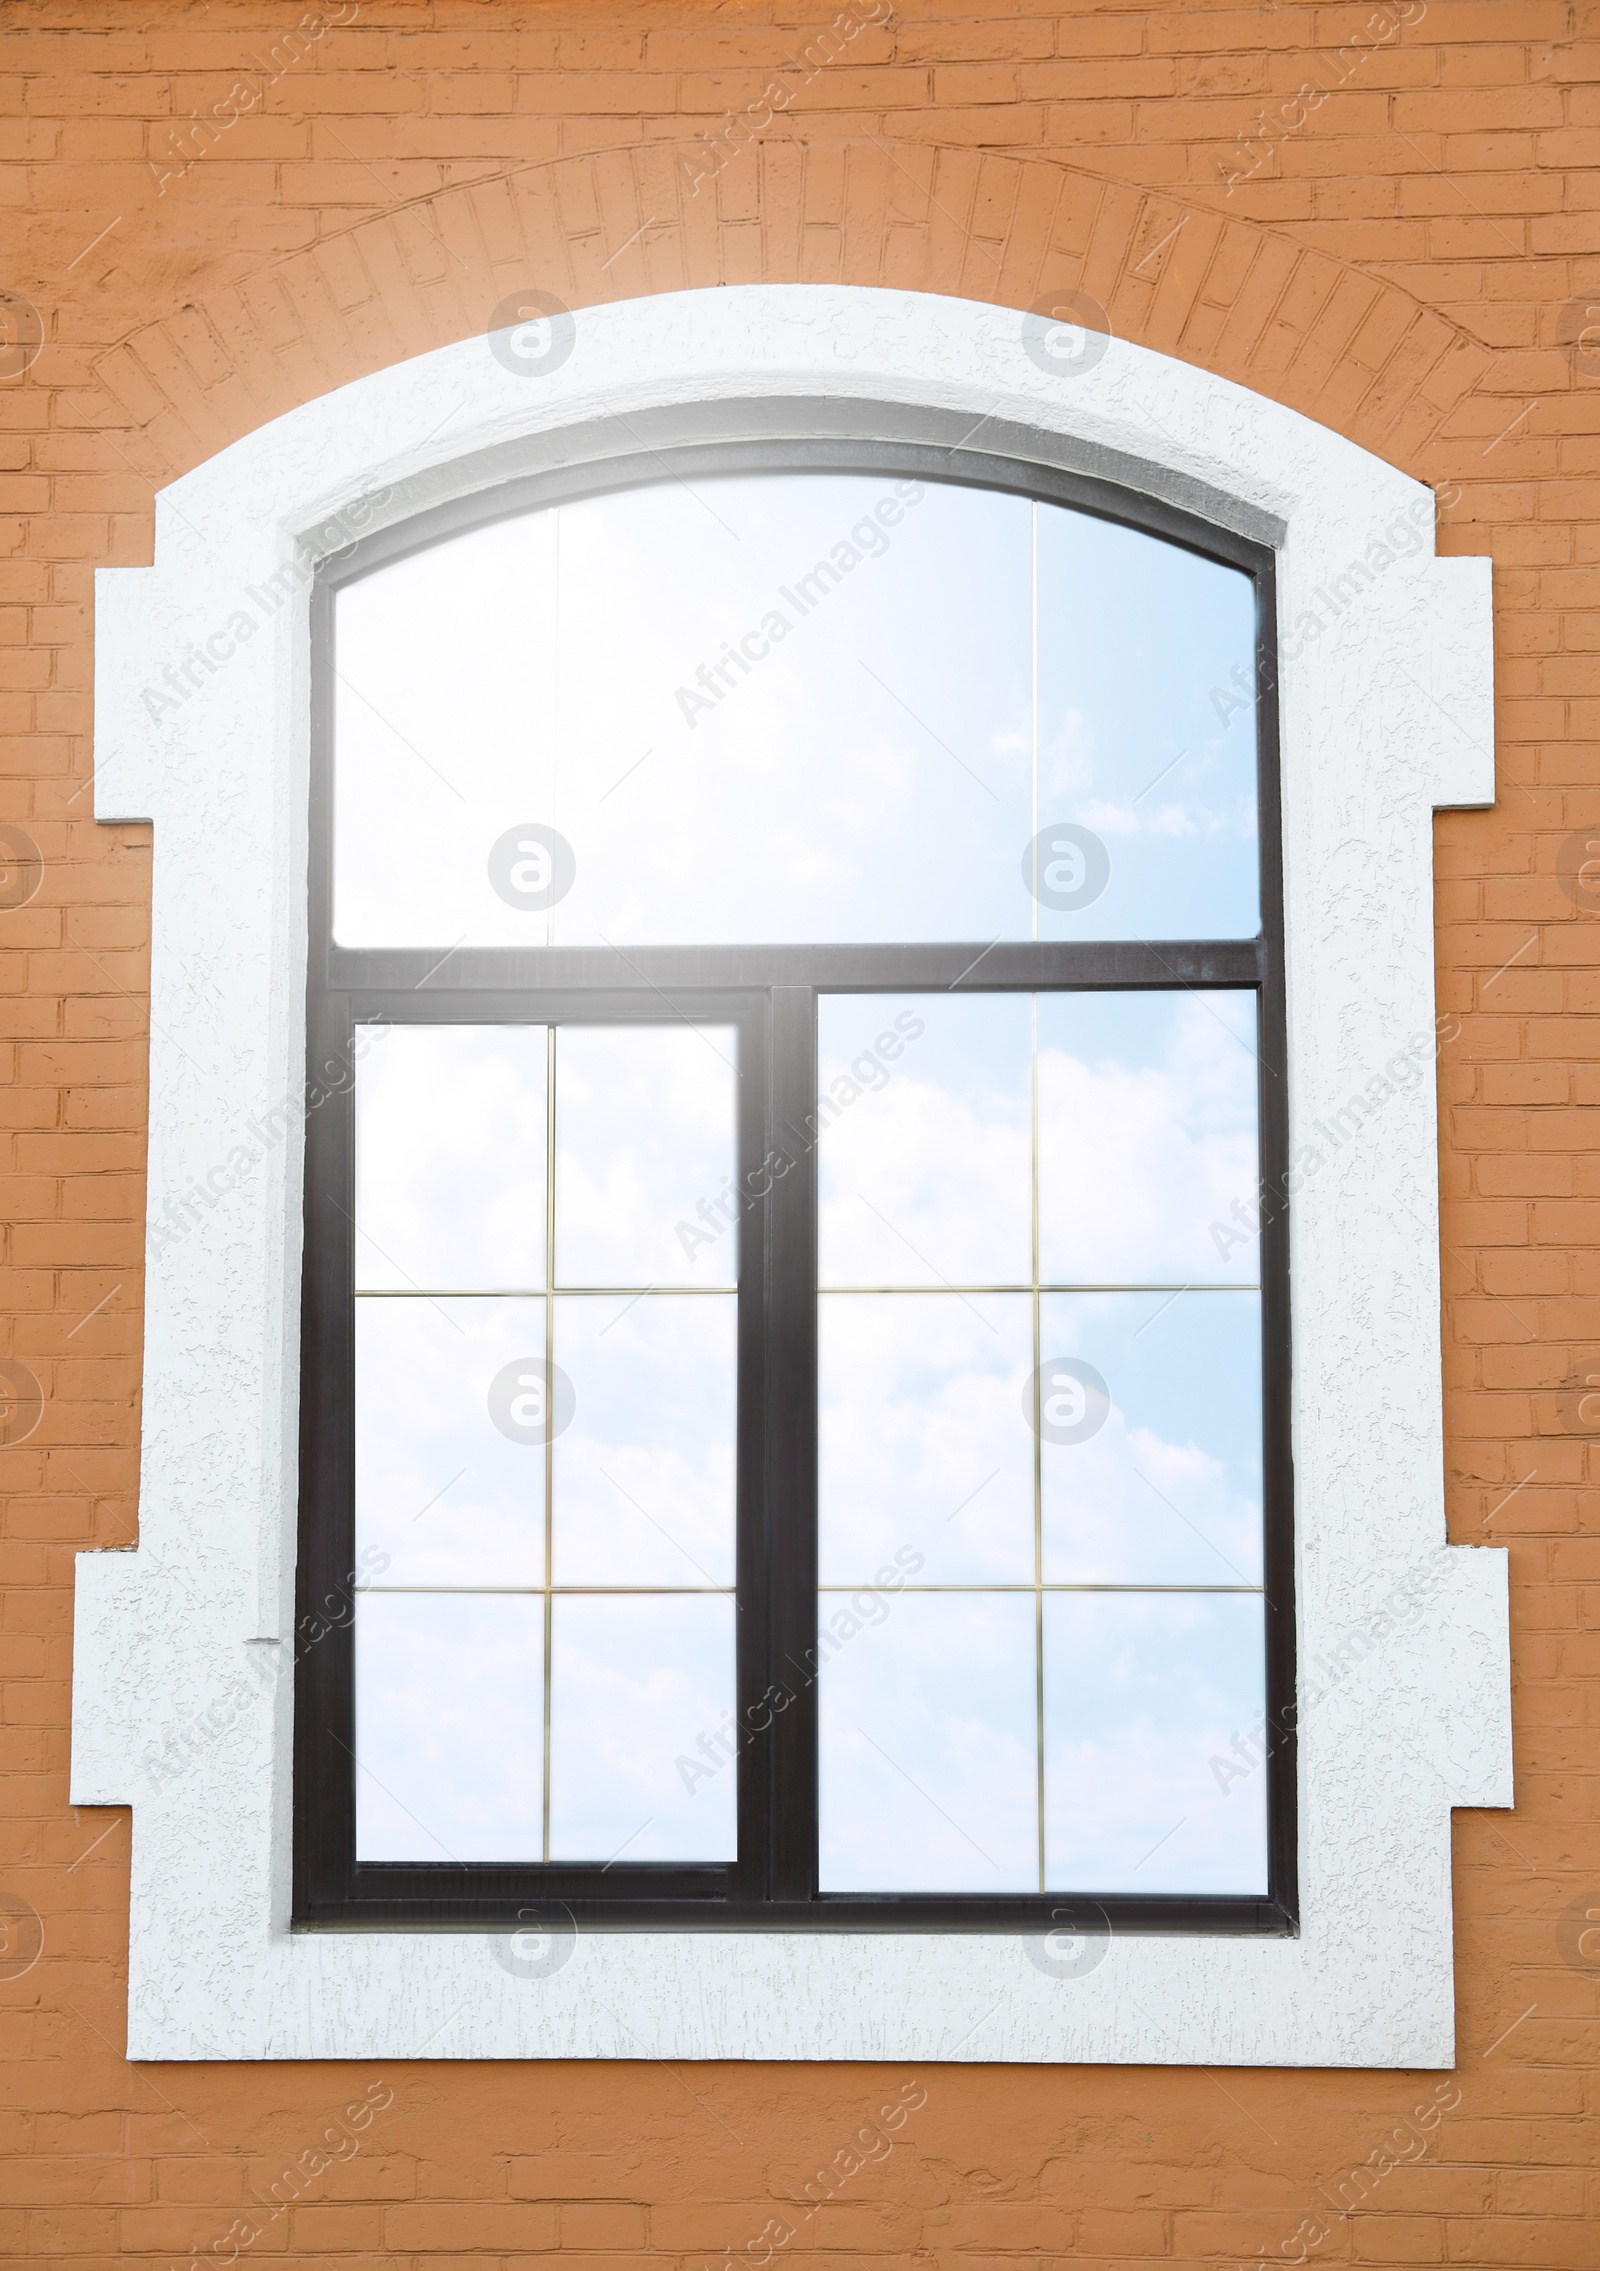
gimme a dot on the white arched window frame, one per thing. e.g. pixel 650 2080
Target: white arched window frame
pixel 181 1705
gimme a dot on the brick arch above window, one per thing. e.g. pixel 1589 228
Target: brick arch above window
pixel 1190 278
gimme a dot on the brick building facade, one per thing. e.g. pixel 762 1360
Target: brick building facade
pixel 1384 217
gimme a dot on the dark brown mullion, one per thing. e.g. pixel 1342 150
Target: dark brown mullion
pixel 684 1900
pixel 323 1636
pixel 554 1005
pixel 980 965
pixel 792 1445
pixel 324 1685
pixel 490 1890
pixel 750 1878
pixel 1277 1451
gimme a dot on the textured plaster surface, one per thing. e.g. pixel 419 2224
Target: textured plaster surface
pixel 180 1644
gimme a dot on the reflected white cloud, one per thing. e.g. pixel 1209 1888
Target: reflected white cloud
pixel 635 1685
pixel 449 1727
pixel 1139 1695
pixel 1147 728
pixel 448 1497
pixel 928 1775
pixel 450 1158
pixel 923 1436
pixel 1168 1491
pixel 924 1174
pixel 788 707
pixel 445 735
pixel 1147 1135
pixel 837 725
pixel 644 1476
pixel 646 1151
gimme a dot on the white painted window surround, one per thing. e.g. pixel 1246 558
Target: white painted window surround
pixel 179 1709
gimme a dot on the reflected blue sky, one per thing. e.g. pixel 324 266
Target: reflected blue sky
pixel 646 1138
pixel 928 1774
pixel 439 1488
pixel 923 1440
pixel 450 1157
pixel 1143 647
pixel 923 1177
pixel 1140 1695
pixel 794 707
pixel 449 1727
pixel 1168 1492
pixel 636 1683
pixel 452 1174
pixel 1147 1138
pixel 644 1475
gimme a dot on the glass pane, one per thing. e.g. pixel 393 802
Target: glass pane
pixel 450 1145
pixel 824 726
pixel 445 734
pixel 1147 741
pixel 926 1456
pixel 1146 1701
pixel 644 1478
pixel 821 724
pixel 449 1727
pixel 1150 1438
pixel 641 1717
pixel 646 1155
pixel 928 1773
pixel 924 1174
pixel 1147 1139
pixel 449 1441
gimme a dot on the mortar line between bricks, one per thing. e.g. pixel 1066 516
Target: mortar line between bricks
pixel 143 2076
pixel 1461 193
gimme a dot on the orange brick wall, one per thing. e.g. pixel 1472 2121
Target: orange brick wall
pixel 1408 262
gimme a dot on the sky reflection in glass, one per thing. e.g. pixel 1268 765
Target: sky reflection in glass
pixel 793 707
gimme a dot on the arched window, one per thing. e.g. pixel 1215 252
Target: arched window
pixel 795 1363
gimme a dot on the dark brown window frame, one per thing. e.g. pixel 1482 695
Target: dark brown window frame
pixel 769 992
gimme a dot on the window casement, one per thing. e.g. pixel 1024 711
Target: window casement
pixel 479 1012
pixel 795 1363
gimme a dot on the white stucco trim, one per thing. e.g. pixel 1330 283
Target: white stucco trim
pixel 1386 713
